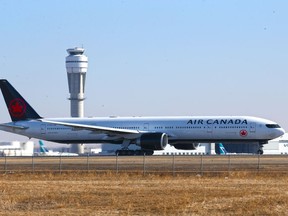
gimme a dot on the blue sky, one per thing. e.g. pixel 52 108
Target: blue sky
pixel 149 58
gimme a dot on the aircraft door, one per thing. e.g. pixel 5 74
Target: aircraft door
pixel 253 127
pixel 43 128
pixel 209 131
pixel 209 128
pixel 146 126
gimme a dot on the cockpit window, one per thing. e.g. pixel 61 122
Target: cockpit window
pixel 273 126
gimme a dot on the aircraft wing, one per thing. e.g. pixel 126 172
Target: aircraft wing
pixel 93 128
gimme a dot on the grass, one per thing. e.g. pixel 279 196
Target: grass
pixel 78 193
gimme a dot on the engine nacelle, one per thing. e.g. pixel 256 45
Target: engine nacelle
pixel 153 141
pixel 186 146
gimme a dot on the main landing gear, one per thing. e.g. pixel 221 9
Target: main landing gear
pixel 124 151
pixel 128 152
pixel 260 150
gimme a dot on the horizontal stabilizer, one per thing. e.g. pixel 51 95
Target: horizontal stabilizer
pixel 14 126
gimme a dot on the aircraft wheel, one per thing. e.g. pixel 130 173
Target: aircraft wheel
pixel 121 152
pixel 130 152
pixel 260 152
pixel 149 152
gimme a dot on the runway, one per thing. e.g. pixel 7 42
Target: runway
pixel 147 164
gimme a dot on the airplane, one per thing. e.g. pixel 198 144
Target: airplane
pixel 150 133
pixel 45 152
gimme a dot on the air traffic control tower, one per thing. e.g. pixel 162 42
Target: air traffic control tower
pixel 76 66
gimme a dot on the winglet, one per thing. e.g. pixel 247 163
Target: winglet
pixel 17 106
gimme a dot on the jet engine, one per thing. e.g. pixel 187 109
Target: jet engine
pixel 153 141
pixel 186 146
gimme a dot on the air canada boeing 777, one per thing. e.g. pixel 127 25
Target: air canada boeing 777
pixel 150 133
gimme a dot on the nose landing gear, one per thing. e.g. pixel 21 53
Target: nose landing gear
pixel 260 150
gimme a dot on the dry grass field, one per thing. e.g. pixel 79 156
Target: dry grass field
pixel 83 193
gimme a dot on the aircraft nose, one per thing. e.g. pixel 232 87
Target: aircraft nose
pixel 281 131
pixel 276 132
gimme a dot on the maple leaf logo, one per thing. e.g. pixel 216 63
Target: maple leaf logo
pixel 17 107
pixel 243 133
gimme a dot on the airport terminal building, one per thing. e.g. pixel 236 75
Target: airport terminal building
pixel 17 148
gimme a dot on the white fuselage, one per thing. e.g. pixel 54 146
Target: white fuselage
pixel 179 129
